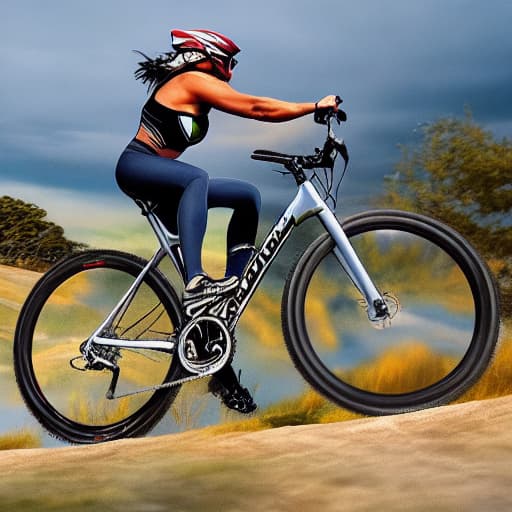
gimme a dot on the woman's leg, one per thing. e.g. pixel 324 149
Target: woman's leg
pixel 245 201
pixel 180 189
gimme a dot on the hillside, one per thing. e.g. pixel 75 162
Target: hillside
pixel 15 283
pixel 450 458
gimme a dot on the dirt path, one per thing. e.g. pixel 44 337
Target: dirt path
pixel 450 458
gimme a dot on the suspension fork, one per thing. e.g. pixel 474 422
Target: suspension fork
pixel 312 204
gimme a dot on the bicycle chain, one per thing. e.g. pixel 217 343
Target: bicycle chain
pixel 178 382
pixel 165 385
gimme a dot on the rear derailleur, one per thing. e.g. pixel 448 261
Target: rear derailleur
pixel 99 358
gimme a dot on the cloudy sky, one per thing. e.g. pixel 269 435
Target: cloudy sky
pixel 69 102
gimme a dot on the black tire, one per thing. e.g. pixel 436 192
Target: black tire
pixel 62 311
pixel 445 331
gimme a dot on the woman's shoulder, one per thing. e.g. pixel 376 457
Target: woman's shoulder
pixel 196 75
pixel 193 80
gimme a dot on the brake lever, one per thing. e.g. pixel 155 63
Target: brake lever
pixel 341 116
pixel 341 148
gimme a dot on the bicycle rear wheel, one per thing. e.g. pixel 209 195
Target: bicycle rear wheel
pixel 440 340
pixel 62 311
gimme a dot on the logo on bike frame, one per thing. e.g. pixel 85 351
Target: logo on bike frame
pixel 262 259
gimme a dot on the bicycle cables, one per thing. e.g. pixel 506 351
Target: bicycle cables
pixel 323 159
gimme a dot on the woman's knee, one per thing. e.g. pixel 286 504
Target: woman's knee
pixel 195 189
pixel 196 174
pixel 253 196
pixel 233 193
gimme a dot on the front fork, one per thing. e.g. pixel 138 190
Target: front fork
pixel 308 200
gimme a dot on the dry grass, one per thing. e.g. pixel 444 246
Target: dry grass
pixel 19 439
pixel 497 380
pixel 405 368
pixel 387 372
pixel 309 407
pixel 190 404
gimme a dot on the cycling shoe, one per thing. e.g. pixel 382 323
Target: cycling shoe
pixel 226 386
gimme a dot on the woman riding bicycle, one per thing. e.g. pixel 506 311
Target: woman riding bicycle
pixel 185 85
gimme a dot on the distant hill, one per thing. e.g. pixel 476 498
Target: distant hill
pixel 15 284
pixel 27 239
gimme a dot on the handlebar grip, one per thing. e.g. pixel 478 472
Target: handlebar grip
pixel 278 159
pixel 322 115
pixel 269 152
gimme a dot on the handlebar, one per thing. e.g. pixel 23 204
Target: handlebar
pixel 323 158
pixel 324 115
pixel 271 156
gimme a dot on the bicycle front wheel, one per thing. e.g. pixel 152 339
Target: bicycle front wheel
pixel 445 308
pixel 65 307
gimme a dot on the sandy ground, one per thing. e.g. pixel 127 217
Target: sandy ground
pixel 454 458
pixel 451 458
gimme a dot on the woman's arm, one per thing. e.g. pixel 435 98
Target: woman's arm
pixel 220 95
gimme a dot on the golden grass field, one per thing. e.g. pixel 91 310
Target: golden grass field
pixel 261 319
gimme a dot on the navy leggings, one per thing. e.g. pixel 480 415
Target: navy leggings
pixel 184 194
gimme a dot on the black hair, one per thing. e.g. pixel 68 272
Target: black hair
pixel 154 71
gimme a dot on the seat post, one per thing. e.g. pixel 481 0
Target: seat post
pixel 169 242
pixel 145 206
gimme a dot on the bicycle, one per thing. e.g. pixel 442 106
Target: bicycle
pixel 101 351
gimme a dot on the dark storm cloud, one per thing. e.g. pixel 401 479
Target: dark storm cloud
pixel 70 104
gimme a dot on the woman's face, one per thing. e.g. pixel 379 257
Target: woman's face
pixel 224 67
pixel 229 66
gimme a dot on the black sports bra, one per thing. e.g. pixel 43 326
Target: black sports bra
pixel 170 129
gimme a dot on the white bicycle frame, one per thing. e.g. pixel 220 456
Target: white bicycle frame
pixel 306 203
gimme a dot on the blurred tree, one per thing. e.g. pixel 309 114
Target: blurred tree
pixel 461 175
pixel 27 240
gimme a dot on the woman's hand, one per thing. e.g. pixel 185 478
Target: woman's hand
pixel 331 101
pixel 325 107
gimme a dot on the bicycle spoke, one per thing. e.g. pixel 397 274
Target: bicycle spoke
pixel 70 395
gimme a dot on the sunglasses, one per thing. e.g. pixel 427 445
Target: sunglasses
pixel 231 63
